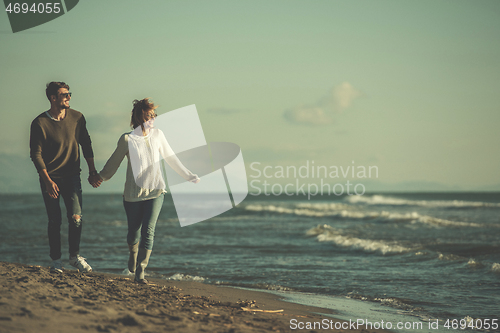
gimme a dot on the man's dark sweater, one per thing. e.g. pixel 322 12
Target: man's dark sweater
pixel 54 144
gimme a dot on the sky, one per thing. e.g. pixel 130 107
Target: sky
pixel 411 87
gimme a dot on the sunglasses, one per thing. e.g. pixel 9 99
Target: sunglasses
pixel 66 95
pixel 151 116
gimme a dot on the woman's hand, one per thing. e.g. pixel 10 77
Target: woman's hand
pixel 95 181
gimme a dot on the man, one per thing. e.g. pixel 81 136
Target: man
pixel 55 138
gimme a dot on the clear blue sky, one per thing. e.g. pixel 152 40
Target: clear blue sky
pixel 409 86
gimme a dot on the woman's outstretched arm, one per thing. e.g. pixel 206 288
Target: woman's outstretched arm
pixel 116 158
pixel 169 156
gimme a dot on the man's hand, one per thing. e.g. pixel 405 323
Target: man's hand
pixel 52 189
pixel 95 181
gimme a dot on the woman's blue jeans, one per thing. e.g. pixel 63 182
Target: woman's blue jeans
pixel 141 218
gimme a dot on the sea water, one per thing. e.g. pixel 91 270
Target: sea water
pixel 424 256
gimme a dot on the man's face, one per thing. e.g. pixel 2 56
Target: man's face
pixel 62 98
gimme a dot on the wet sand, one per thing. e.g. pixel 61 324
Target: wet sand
pixel 34 300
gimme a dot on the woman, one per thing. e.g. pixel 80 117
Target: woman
pixel 144 147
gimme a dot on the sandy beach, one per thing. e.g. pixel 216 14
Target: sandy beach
pixel 35 300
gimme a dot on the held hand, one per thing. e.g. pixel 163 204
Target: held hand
pixel 52 189
pixel 95 181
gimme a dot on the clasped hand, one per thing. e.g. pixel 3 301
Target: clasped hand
pixel 95 181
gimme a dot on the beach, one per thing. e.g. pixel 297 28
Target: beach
pixel 412 258
pixel 35 300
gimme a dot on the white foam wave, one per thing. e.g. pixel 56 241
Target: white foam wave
pixel 495 267
pixel 357 215
pixel 266 286
pixel 396 303
pixel 127 272
pixel 450 256
pixel 275 287
pixel 285 210
pixel 443 222
pixel 185 277
pixel 474 264
pixel 326 233
pixel 390 201
pixel 322 206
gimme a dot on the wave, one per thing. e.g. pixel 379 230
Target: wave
pixel 473 263
pixel 495 267
pixel 357 215
pixel 322 206
pixel 308 212
pixel 398 303
pixel 264 286
pixel 442 222
pixel 390 201
pixel 185 277
pixel 127 272
pixel 326 233
pixel 450 257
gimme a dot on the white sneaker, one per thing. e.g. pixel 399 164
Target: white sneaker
pixel 56 266
pixel 80 263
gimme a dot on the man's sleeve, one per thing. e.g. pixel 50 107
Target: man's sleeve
pixel 85 141
pixel 36 144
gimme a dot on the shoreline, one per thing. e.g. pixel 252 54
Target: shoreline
pixel 34 300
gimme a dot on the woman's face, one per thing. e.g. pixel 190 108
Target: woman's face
pixel 149 119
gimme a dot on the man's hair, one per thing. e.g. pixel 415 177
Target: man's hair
pixel 138 112
pixel 53 88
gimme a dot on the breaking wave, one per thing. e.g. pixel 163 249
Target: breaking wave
pixel 390 201
pixel 325 233
pixel 357 215
pixel 185 277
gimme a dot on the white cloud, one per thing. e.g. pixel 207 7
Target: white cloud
pixel 344 95
pixel 225 111
pixel 308 115
pixel 337 100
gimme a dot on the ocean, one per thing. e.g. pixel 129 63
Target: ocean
pixel 419 256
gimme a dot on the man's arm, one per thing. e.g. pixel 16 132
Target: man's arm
pixel 36 143
pixel 88 153
pixel 86 143
pixel 94 179
pixel 90 163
